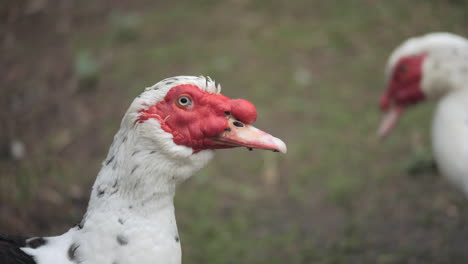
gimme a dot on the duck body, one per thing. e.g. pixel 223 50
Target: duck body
pixel 433 66
pixel 450 137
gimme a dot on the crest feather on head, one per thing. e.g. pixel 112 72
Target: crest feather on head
pixel 205 84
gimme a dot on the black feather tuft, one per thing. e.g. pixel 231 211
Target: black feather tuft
pixel 10 252
pixel 122 240
pixel 36 242
pixel 72 252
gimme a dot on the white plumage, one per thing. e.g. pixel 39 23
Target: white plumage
pixel 444 77
pixel 450 137
pixel 130 216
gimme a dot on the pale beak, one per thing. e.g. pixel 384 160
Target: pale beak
pixel 241 135
pixel 389 120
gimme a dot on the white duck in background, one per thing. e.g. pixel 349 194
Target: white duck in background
pixel 168 133
pixel 433 66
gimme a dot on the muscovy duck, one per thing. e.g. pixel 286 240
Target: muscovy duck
pixel 433 66
pixel 168 133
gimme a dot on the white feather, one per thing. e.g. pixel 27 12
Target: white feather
pixel 444 77
pixel 130 216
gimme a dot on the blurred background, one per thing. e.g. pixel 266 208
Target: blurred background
pixel 314 69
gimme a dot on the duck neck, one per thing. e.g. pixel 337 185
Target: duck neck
pixel 133 178
pixel 139 175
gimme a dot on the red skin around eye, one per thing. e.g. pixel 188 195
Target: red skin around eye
pixel 195 125
pixel 405 84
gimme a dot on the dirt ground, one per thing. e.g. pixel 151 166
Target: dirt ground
pixel 314 70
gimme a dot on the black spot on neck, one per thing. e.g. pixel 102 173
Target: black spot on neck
pixel 121 221
pixel 72 252
pixel 110 160
pixel 124 139
pixel 152 152
pixel 81 224
pixel 136 184
pixel 36 242
pixel 176 239
pixel 122 240
pixel 115 187
pixel 134 168
pixel 100 191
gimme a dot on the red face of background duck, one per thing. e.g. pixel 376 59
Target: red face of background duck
pixel 404 90
pixel 202 120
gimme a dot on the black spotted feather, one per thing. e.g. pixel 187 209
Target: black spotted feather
pixel 10 252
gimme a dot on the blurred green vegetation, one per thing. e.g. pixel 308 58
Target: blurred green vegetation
pixel 314 69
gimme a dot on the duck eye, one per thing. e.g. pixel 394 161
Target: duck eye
pixel 184 101
pixel 402 69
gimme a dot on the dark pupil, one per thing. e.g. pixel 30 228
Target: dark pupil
pixel 183 100
pixel 402 69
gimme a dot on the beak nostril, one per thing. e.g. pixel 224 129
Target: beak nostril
pixel 227 113
pixel 227 129
pixel 238 124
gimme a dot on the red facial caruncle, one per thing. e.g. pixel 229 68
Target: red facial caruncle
pixel 203 120
pixel 404 86
pixel 404 89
